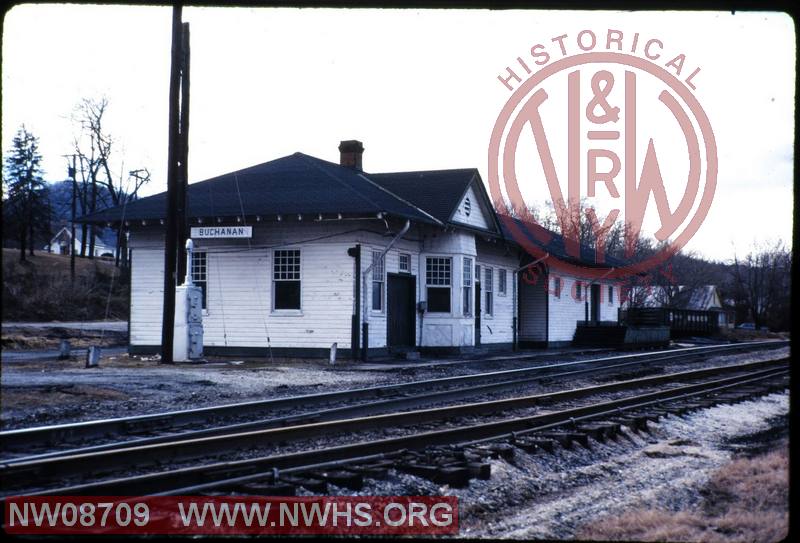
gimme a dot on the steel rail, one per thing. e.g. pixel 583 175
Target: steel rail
pixel 184 450
pixel 26 438
pixel 339 413
pixel 195 479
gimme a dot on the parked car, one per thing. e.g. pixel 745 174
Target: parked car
pixel 747 326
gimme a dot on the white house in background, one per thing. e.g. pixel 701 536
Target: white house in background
pixel 59 245
pixel 299 253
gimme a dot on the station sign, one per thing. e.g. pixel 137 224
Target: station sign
pixel 222 232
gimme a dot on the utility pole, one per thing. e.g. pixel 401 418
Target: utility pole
pixel 183 155
pixel 172 220
pixel 72 173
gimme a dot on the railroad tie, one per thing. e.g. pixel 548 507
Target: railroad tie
pixel 500 450
pixel 343 478
pixel 309 483
pixel 377 470
pixel 659 412
pixel 636 423
pixel 566 439
pixel 600 431
pixel 457 477
pixel 535 445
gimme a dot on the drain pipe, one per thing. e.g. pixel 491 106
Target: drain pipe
pixel 515 300
pixel 366 309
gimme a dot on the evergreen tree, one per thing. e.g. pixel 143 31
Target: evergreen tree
pixel 25 192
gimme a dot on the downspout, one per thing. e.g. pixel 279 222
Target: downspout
pixel 364 297
pixel 515 301
pixel 355 319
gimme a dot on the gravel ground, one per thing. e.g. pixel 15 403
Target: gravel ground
pixel 37 393
pixel 344 437
pixel 50 392
pixel 551 496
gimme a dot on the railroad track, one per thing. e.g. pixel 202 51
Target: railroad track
pixel 138 430
pixel 528 431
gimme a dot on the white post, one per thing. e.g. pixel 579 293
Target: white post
pixel 333 354
pixel 189 246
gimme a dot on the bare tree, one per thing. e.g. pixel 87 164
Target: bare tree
pixel 94 147
pixel 762 284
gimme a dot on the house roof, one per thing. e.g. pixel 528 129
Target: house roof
pixel 104 239
pixel 296 183
pixel 555 245
pixel 436 191
pixel 700 298
pixel 302 184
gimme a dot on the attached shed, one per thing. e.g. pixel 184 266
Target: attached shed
pixel 299 253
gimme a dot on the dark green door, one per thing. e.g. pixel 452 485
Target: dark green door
pixel 400 318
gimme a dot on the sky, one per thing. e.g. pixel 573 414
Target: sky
pixel 419 88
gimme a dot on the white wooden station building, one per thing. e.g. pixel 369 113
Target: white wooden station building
pixel 299 253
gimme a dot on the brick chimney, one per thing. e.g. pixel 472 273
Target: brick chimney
pixel 350 155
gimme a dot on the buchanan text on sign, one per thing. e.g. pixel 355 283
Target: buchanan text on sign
pixel 223 232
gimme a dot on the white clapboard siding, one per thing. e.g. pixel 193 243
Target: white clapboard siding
pixel 447 329
pixel 240 299
pixel 498 327
pixel 147 296
pixel 377 319
pixel 565 311
pixel 239 286
pixel 478 214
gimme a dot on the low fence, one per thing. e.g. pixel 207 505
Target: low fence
pixel 681 322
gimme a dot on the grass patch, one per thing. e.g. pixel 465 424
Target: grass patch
pixel 746 500
pixel 40 289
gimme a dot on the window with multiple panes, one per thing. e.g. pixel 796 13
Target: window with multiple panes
pixel 438 274
pixel 610 294
pixel 487 288
pixel 466 301
pixel 200 273
pixel 404 263
pixel 501 282
pixel 378 274
pixel 286 279
pixel 557 287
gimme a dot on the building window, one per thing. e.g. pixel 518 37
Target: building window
pixel 404 263
pixel 610 294
pixel 200 273
pixel 286 279
pixel 577 290
pixel 501 285
pixel 466 302
pixel 557 287
pixel 377 280
pixel 437 283
pixel 487 288
pixel 467 207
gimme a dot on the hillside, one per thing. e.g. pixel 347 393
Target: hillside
pixel 40 289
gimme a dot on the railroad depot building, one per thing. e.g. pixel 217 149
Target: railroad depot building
pixel 291 255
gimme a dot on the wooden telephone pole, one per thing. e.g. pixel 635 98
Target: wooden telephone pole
pixel 175 217
pixel 72 173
